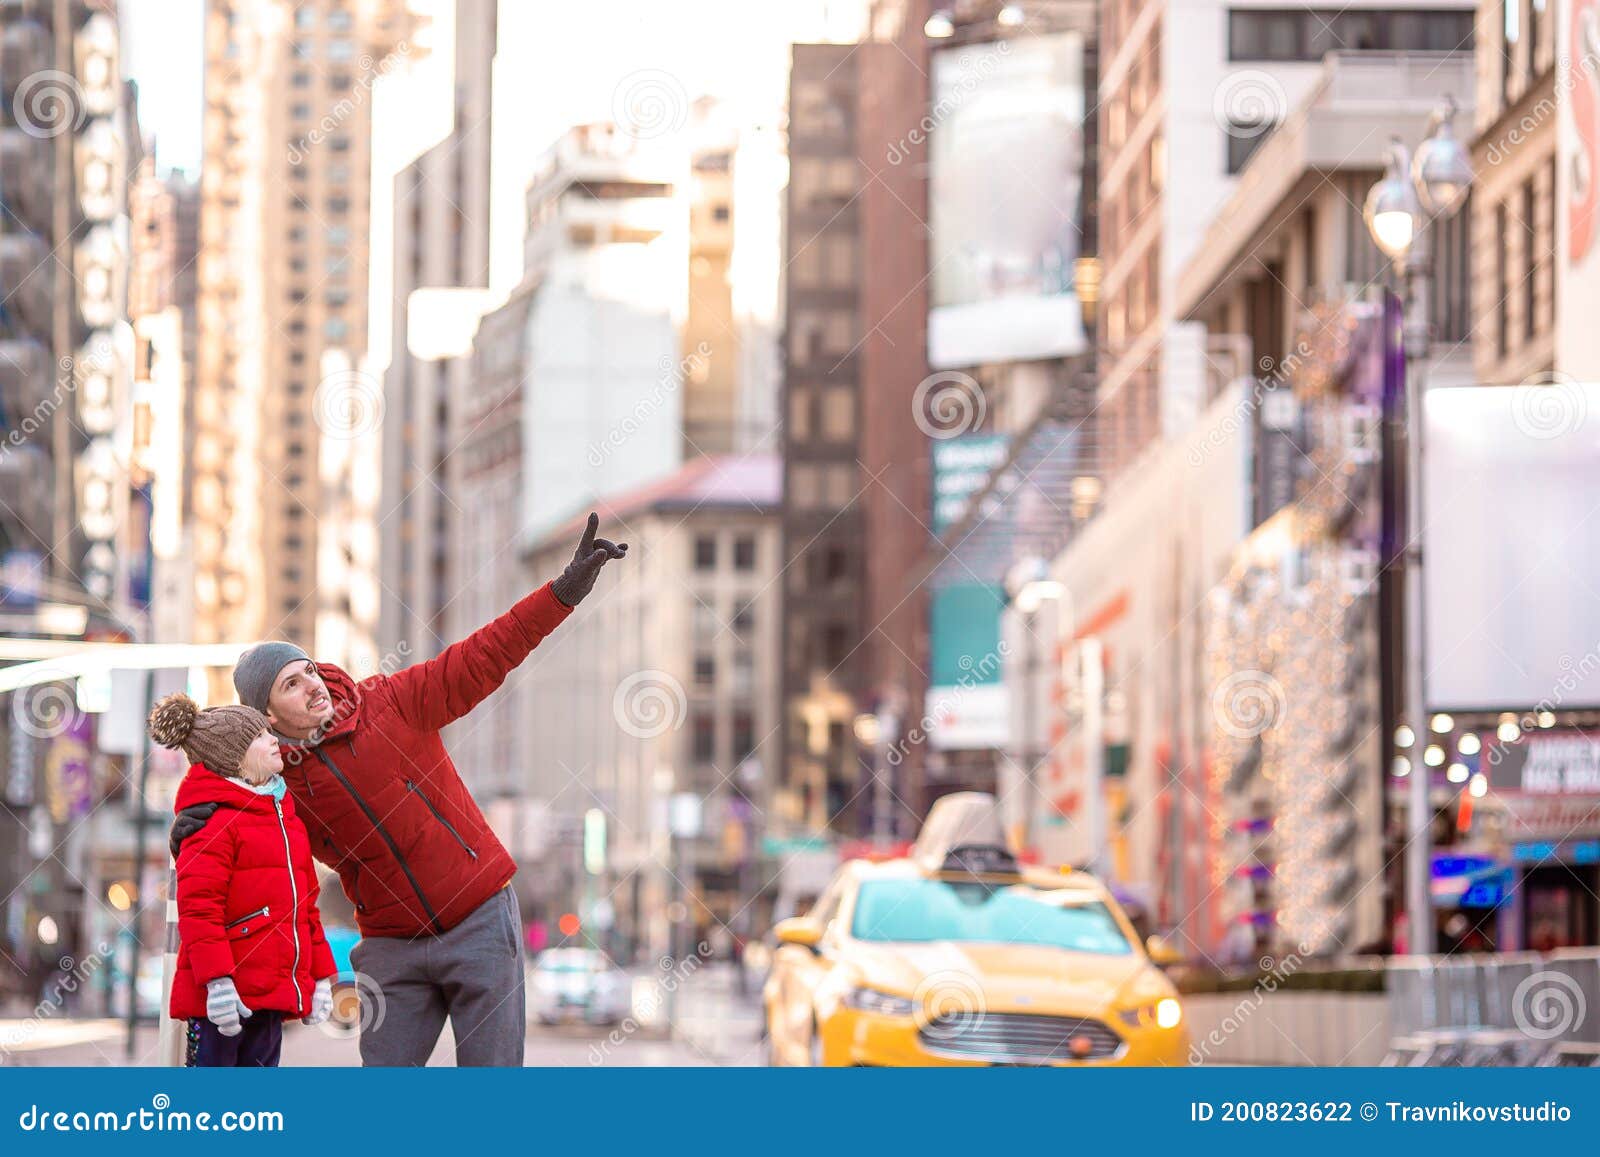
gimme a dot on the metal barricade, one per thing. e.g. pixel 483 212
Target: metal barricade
pixel 1569 998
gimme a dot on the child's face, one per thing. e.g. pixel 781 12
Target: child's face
pixel 262 760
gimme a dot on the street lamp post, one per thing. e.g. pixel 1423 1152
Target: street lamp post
pixel 1031 588
pixel 1415 191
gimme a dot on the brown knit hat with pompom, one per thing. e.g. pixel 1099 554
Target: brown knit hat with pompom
pixel 217 737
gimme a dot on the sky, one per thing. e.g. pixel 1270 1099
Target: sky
pixel 163 50
pixel 558 65
pixel 561 63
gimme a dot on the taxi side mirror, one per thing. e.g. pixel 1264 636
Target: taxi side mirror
pixel 1161 951
pixel 801 930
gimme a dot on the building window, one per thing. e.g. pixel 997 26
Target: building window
pixel 704 737
pixel 719 213
pixel 1244 138
pixel 838 413
pixel 1530 278
pixel 705 623
pixel 744 553
pixel 705 552
pixel 839 333
pixel 835 645
pixel 804 489
pixel 1273 34
pixel 744 618
pixel 705 671
pixel 744 736
pixel 799 414
pixel 839 485
pixel 341 49
pixel 1501 280
pixel 744 672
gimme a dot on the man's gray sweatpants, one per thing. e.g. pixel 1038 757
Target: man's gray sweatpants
pixel 472 974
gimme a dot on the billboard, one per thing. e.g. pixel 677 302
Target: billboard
pixel 1005 185
pixel 1511 548
pixel 966 705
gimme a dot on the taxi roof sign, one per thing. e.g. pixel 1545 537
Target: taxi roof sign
pixel 960 822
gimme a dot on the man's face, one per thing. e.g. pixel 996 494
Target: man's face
pixel 299 703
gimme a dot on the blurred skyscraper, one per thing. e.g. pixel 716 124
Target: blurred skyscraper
pixel 440 242
pixel 283 280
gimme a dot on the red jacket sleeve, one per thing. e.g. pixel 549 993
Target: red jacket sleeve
pixel 436 693
pixel 205 862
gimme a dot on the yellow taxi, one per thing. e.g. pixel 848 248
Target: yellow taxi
pixel 959 956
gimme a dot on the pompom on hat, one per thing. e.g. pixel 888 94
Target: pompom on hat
pixel 217 737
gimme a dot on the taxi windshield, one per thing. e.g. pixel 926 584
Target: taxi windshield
pixel 922 910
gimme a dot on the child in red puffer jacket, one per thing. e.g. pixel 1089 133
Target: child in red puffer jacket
pixel 253 950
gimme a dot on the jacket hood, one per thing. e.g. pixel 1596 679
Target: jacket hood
pixel 202 785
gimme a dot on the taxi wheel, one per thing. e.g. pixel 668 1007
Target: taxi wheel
pixel 770 1053
pixel 769 1047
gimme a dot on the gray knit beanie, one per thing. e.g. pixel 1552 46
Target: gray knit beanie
pixel 258 668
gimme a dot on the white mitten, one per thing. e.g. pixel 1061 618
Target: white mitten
pixel 321 1002
pixel 223 1006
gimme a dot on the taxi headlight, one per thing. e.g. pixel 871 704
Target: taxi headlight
pixel 882 1003
pixel 1164 1013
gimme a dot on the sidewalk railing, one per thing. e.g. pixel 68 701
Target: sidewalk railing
pixel 1511 1009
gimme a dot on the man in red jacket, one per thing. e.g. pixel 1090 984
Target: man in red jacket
pixel 441 935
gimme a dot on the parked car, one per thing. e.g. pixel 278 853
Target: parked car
pixel 577 984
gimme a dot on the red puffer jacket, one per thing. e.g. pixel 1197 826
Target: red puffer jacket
pixel 380 797
pixel 247 902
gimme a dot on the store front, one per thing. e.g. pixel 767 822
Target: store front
pixel 1548 783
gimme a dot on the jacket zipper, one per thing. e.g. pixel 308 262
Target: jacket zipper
pixel 294 899
pixel 382 831
pixel 264 910
pixel 447 825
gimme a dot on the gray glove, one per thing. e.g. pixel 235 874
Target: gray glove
pixel 592 554
pixel 188 821
pixel 321 1002
pixel 224 1008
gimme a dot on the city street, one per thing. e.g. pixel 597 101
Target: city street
pixel 714 1028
